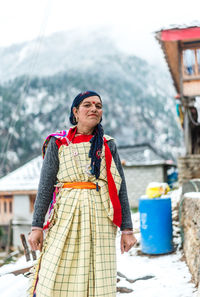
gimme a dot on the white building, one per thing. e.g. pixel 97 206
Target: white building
pixel 17 195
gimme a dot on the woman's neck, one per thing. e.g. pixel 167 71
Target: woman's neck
pixel 84 130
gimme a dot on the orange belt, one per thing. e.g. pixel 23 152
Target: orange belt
pixel 80 185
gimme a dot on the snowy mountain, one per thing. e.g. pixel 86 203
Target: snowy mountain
pixel 39 80
pixel 62 51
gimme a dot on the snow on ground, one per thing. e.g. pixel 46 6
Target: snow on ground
pixel 193 195
pixel 13 286
pixel 20 264
pixel 171 277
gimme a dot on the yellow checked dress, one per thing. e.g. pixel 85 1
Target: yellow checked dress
pixel 78 257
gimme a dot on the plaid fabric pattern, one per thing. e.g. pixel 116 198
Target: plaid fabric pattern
pixel 78 257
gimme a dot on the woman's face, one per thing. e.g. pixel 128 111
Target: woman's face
pixel 89 112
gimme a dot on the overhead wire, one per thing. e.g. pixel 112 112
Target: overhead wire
pixel 26 84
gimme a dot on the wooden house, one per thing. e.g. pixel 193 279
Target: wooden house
pixel 181 47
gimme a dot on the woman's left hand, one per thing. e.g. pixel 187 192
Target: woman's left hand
pixel 127 242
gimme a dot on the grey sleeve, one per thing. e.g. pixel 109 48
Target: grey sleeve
pixel 123 197
pixel 48 177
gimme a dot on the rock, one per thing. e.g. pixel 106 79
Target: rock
pixel 124 290
pixel 121 274
pixel 146 277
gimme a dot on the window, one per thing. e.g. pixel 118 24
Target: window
pixel 10 206
pixel 198 59
pixel 191 62
pixel 5 206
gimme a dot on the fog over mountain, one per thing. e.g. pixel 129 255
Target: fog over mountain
pixel 39 79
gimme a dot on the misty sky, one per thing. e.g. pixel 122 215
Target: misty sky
pixel 132 22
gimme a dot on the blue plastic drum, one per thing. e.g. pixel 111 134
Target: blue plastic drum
pixel 156 225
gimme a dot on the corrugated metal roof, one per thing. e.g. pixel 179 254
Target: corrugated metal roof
pixel 142 154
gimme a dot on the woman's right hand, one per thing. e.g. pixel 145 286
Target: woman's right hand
pixel 35 239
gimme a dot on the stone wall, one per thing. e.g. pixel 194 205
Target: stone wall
pixel 188 168
pixel 189 175
pixel 190 224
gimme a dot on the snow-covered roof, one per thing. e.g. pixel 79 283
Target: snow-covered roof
pixel 25 178
pixel 191 24
pixel 142 154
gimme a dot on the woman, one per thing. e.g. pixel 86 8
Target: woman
pixel 90 201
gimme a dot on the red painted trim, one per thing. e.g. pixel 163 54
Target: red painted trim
pixel 117 219
pixel 180 34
